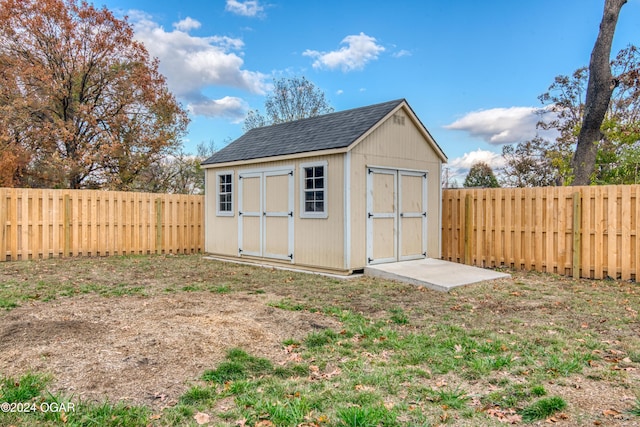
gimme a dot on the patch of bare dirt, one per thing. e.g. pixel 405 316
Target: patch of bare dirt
pixel 589 402
pixel 144 350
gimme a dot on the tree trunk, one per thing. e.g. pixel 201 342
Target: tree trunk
pixel 599 90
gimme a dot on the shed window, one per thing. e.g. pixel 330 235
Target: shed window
pixel 314 190
pixel 225 193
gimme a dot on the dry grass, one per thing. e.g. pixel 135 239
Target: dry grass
pixel 144 329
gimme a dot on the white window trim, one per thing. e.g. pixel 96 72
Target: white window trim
pixel 233 195
pixel 325 213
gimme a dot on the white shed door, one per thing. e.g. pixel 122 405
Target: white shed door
pixel 396 215
pixel 265 214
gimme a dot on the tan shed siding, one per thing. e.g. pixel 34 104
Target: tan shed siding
pixel 221 232
pixel 318 242
pixel 358 211
pixel 396 143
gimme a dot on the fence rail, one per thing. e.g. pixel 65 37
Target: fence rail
pixel 38 223
pixel 589 232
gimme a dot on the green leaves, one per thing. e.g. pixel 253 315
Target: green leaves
pixel 481 175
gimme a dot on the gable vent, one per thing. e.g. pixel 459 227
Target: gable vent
pixel 398 119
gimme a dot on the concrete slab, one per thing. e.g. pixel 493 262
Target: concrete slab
pixel 433 273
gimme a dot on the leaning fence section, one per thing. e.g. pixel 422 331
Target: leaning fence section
pixel 589 232
pixel 37 223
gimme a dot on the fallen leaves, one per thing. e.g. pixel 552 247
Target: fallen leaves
pixel 441 382
pixel 507 416
pixel 612 413
pixel 360 387
pixel 557 418
pixel 632 313
pixel 202 418
pixel 316 374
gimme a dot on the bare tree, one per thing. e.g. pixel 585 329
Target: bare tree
pixel 291 99
pixel 532 163
pixel 599 89
pixel 178 172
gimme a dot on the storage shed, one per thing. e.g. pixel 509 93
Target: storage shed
pixel 334 193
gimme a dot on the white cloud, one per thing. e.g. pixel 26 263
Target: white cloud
pixel 458 168
pixel 191 64
pixel 187 24
pixel 500 125
pixel 467 160
pixel 245 8
pixel 339 92
pixel 232 108
pixel 402 53
pixel 359 50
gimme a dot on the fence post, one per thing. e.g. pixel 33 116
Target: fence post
pixel 158 226
pixel 577 243
pixel 467 229
pixel 66 225
pixel 3 225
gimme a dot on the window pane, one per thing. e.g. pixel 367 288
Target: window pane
pixel 314 189
pixel 308 196
pixel 225 193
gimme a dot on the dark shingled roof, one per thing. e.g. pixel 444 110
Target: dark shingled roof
pixel 329 131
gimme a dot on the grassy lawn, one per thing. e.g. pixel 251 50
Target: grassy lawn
pixel 533 349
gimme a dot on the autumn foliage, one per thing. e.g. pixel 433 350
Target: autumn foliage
pixel 81 102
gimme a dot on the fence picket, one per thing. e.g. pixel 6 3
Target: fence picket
pixel 533 229
pixel 3 223
pixel 625 236
pixel 51 223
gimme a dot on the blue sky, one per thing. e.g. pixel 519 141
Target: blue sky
pixel 471 70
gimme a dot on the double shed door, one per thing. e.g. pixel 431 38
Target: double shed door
pixel 396 215
pixel 265 214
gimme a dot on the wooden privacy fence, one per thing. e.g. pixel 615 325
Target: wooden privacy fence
pixel 590 232
pixel 38 223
